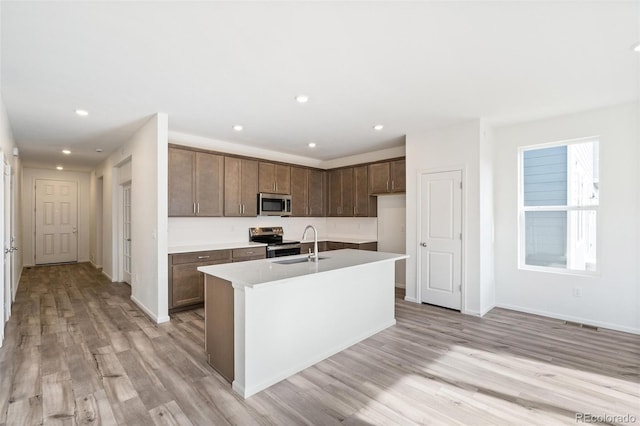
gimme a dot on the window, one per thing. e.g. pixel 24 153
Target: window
pixel 559 197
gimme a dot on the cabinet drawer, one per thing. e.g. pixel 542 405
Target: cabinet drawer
pixel 200 256
pixel 244 259
pixel 249 252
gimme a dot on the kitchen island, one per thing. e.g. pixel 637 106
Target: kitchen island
pixel 265 320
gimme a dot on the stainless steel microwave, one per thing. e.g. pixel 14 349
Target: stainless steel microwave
pixel 274 204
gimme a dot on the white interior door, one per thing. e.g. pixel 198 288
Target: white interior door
pixel 56 221
pixel 440 245
pixel 126 233
pixel 5 298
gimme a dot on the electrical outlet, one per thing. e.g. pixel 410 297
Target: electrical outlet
pixel 577 292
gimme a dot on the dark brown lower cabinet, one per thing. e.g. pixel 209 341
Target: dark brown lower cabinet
pixel 335 245
pixel 186 283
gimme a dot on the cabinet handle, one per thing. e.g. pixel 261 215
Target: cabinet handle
pixel 387 185
pixel 249 252
pixel 198 209
pixel 243 209
pixel 240 208
pixel 203 257
pixel 194 208
pixel 393 185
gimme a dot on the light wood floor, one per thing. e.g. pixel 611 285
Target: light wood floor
pixel 77 351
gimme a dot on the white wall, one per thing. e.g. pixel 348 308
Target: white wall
pixel 486 206
pixel 147 152
pixel 205 230
pixel 392 216
pixel 7 145
pixel 456 147
pixel 611 298
pixel 28 199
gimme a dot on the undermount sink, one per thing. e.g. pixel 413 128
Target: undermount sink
pixel 297 260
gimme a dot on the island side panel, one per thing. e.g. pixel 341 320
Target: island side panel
pixel 297 323
pixel 219 317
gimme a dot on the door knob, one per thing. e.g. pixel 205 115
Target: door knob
pixel 423 244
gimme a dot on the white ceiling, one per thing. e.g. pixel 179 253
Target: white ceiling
pixel 410 66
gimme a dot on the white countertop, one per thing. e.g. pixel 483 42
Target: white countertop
pixel 258 273
pixel 344 240
pixel 213 246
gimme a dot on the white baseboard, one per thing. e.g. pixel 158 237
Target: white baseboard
pixel 570 318
pixel 401 285
pixel 107 275
pixel 147 311
pixel 95 266
pixel 411 299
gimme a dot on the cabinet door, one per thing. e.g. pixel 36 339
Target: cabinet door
pixel 317 193
pixel 335 192
pixel 378 178
pixel 181 185
pixel 249 187
pixel 299 191
pixel 283 179
pixel 361 191
pixel 398 176
pixel 209 183
pixel 267 177
pixel 274 178
pixel 348 191
pixel 187 285
pixel 232 201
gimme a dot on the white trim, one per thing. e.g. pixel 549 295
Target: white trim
pixel 411 299
pixel 147 311
pixel 463 228
pixel 522 209
pixel 571 318
pixel 107 275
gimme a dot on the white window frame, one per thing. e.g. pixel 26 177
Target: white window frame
pixel 522 209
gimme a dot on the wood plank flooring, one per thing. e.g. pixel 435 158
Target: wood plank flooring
pixel 78 352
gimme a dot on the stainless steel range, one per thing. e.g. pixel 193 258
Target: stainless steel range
pixel 272 236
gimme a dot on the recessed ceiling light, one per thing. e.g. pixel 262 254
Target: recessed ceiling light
pixel 312 144
pixel 302 99
pixel 98 149
pixel 59 168
pixel 82 112
pixel 238 128
pixel 378 127
pixel 66 152
pixel 636 48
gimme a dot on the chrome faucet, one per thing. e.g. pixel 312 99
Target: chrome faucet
pixel 313 257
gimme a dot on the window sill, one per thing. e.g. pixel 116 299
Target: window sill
pixel 559 271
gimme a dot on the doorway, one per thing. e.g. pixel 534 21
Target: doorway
pixel 440 244
pixel 126 233
pixel 56 221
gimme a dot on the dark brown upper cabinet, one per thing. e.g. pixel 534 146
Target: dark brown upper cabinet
pixel 240 187
pixel 196 182
pixel 341 190
pixel 274 178
pixel 307 192
pixel 387 177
